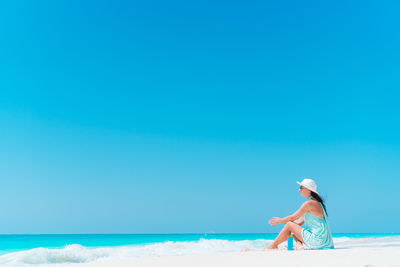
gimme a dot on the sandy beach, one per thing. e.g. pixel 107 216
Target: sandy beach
pixel 363 257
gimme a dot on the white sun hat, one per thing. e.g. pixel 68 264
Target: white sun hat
pixel 309 184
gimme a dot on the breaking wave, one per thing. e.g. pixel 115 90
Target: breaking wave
pixel 79 254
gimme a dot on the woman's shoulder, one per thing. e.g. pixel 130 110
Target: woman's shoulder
pixel 312 203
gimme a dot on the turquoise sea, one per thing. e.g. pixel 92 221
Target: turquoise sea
pixel 50 250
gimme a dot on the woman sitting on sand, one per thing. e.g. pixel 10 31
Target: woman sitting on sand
pixel 315 233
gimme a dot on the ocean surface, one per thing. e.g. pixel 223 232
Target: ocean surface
pixel 62 250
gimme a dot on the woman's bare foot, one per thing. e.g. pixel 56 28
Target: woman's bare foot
pixel 271 246
pixel 298 246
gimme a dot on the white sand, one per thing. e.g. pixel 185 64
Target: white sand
pixel 362 257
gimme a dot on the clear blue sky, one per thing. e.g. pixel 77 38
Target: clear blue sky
pixel 182 116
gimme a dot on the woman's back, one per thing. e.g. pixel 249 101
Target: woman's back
pixel 315 209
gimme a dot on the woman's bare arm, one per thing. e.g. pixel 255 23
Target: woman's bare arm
pixel 300 212
pixel 300 220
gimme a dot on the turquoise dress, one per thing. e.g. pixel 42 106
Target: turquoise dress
pixel 316 233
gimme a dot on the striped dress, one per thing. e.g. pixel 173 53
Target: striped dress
pixel 316 233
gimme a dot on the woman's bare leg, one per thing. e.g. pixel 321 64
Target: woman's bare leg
pixel 298 242
pixel 289 228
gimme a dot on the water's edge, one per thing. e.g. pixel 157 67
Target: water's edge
pixel 46 250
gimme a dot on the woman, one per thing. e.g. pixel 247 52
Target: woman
pixel 315 234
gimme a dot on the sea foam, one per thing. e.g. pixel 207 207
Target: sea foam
pixel 79 254
pixel 346 242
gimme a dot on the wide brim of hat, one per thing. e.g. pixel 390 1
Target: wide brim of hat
pixel 306 187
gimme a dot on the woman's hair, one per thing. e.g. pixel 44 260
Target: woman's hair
pixel 319 199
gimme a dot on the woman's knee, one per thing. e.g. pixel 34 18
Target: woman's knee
pixel 289 225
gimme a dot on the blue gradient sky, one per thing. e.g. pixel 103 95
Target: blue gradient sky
pixel 177 116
